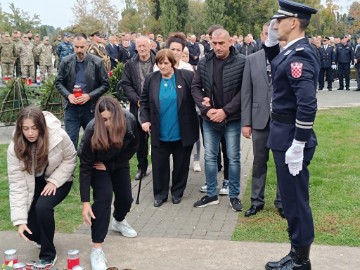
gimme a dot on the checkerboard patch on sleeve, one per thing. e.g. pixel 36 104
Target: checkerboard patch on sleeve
pixel 296 69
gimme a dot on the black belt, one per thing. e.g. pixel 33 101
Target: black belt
pixel 286 119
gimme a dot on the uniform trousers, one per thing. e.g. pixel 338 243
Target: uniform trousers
pixel 7 69
pixel 344 71
pixel 104 184
pixel 28 71
pixel 41 221
pixel 294 192
pixel 45 70
pixel 261 157
pixel 160 156
pixel 329 77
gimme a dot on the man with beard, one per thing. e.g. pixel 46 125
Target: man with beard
pixel 88 72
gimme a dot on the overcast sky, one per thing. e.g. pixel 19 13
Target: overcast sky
pixel 58 13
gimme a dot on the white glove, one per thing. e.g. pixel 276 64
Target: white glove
pixel 333 66
pixel 272 38
pixel 351 66
pixel 294 157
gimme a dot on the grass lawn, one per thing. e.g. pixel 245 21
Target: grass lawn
pixel 67 214
pixel 334 186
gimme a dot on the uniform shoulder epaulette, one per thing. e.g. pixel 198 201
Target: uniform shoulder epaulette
pixel 299 49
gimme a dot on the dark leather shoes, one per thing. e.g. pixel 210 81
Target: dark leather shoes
pixel 283 262
pixel 281 212
pixel 176 200
pixel 139 175
pixel 158 203
pixel 253 210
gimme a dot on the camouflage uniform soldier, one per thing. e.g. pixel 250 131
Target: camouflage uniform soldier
pixel 65 47
pixel 54 46
pixel 7 57
pixel 44 51
pixel 36 43
pixel 17 41
pixel 26 53
pixel 97 48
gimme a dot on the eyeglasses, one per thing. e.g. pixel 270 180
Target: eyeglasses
pixel 25 37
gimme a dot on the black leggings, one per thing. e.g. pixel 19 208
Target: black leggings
pixel 41 220
pixel 104 184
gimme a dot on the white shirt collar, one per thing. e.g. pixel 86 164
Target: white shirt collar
pixel 292 42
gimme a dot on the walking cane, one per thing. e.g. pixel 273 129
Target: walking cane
pixel 138 194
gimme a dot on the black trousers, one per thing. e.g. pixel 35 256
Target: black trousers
pixel 143 149
pixel 344 71
pixel 104 184
pixel 160 156
pixel 329 77
pixel 41 221
pixel 294 192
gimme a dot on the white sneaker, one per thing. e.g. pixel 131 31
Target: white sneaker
pixel 225 188
pixel 124 228
pixel 203 188
pixel 98 260
pixel 197 167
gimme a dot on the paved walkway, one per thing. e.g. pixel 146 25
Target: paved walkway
pixel 184 237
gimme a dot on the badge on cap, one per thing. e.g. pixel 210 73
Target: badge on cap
pixel 296 69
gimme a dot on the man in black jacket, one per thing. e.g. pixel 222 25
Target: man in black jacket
pixel 88 72
pixel 216 91
pixel 132 82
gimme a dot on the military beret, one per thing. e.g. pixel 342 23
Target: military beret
pixel 294 9
pixel 96 33
pixel 67 34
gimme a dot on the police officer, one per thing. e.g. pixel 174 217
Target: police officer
pixel 295 75
pixel 65 47
pixel 327 62
pixel 344 56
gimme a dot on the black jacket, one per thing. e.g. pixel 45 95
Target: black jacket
pixel 357 57
pixel 97 80
pixel 247 49
pixel 203 86
pixel 113 159
pixel 130 81
pixel 150 107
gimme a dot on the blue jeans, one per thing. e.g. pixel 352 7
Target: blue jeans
pixel 77 116
pixel 212 136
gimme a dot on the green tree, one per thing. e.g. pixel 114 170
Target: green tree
pixel 354 23
pixel 182 7
pixel 174 15
pixel 93 15
pixel 20 20
pixel 196 22
pixel 214 11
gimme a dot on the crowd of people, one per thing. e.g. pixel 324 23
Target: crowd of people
pixel 222 85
